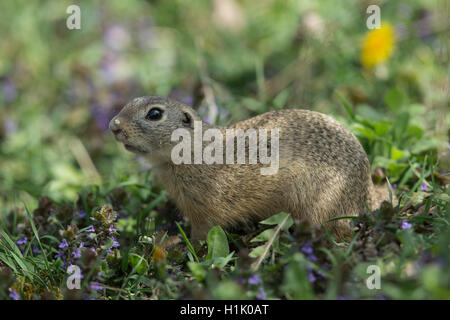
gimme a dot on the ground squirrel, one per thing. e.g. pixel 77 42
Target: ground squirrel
pixel 323 171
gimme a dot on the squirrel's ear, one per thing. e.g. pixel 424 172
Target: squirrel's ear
pixel 188 117
pixel 188 120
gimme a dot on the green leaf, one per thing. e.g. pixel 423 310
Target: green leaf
pixel 138 263
pixel 197 270
pixel 394 98
pixel 12 245
pixel 296 283
pixel 281 99
pixel 217 243
pixel 365 132
pixel 264 236
pixel 277 219
pixel 401 125
pixel 381 128
pixel 253 104
pixel 228 290
pixel 221 262
pixel 369 113
pixel 395 169
pixel 423 145
pixel 347 108
pixel 397 154
pixel 256 252
pixel 188 243
pixel 443 197
pixel 414 131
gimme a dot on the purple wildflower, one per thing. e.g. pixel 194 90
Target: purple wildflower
pixel 115 243
pixel 206 119
pixel 14 295
pixel 112 229
pixel 424 25
pixel 76 253
pixel 116 37
pixel 114 67
pixel 9 91
pixel 147 35
pixel 261 294
pixel 401 31
pixel 320 273
pixel 101 116
pixel 311 277
pixel 36 250
pixel 9 126
pixel 181 95
pixel 81 214
pixel 307 249
pixel 63 244
pixel 22 240
pixel 424 186
pixel 96 286
pixel 241 280
pixel 312 257
pixel 143 164
pixel 59 255
pixel 90 229
pixel 406 225
pixel 254 279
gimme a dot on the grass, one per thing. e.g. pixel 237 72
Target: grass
pixel 70 195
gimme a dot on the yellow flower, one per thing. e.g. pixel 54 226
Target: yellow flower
pixel 377 46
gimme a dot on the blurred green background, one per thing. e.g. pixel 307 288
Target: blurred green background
pixel 230 59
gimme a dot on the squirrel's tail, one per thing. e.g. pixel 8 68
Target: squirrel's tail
pixel 380 193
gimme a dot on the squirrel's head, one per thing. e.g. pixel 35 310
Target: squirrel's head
pixel 145 125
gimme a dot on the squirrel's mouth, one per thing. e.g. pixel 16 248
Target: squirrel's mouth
pixel 133 148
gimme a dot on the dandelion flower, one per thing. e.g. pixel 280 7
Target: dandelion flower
pixel 377 46
pixel 159 255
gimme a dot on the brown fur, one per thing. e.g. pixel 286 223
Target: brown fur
pixel 323 172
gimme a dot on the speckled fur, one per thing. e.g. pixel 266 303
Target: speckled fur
pixel 323 172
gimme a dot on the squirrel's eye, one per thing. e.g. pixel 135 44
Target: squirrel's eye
pixel 154 114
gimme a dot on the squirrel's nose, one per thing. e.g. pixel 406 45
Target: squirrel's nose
pixel 114 125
